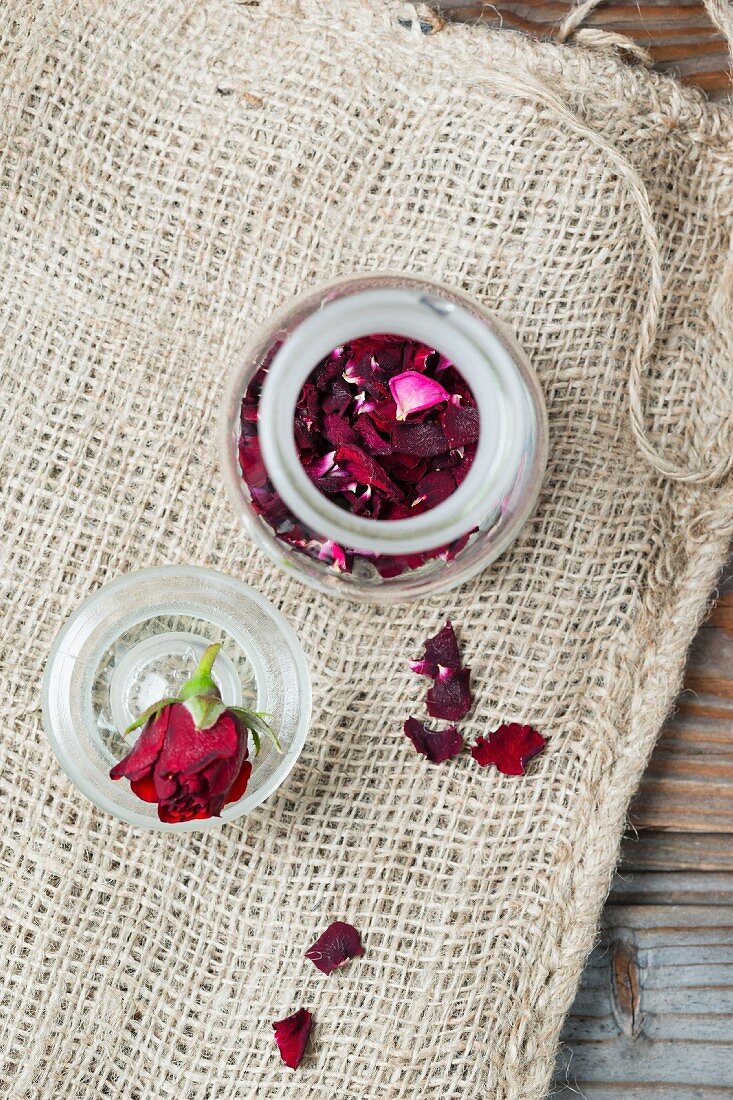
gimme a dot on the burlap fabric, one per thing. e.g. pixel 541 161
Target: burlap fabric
pixel 170 173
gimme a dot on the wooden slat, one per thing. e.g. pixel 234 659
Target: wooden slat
pixel 654 1015
pixel 688 786
pixel 672 888
pixel 666 851
pixel 678 33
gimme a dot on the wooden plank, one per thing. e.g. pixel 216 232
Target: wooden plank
pixel 688 785
pixel 672 888
pixel 654 1014
pixel 650 850
pixel 678 33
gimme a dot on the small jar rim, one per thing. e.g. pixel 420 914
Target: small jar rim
pixel 477 353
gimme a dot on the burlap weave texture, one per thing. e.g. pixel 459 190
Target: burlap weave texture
pixel 170 173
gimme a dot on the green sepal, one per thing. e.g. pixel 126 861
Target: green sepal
pixel 151 712
pixel 202 683
pixel 205 710
pixel 257 726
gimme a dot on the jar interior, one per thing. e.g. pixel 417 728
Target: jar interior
pixel 386 427
pixel 384 452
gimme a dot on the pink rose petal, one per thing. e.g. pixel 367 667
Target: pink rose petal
pixel 414 392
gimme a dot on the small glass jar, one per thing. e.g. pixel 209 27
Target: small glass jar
pixel 401 559
pixel 137 640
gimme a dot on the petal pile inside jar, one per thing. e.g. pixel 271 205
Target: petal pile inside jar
pixel 385 427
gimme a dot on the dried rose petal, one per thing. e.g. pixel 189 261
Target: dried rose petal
pixel 334 554
pixel 366 470
pixel 414 392
pixel 291 1036
pixel 366 373
pixel 437 745
pixel 442 648
pixel 338 398
pixel 371 440
pixel 339 943
pixel 426 440
pixel 435 487
pixel 338 430
pixel 250 461
pixel 460 424
pixel 450 697
pixel 424 357
pixel 321 466
pixel 510 748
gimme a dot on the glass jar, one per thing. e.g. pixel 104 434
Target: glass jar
pixel 395 560
pixel 137 640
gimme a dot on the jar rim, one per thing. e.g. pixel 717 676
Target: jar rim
pixel 477 353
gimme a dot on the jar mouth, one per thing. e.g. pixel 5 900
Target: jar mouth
pixel 476 353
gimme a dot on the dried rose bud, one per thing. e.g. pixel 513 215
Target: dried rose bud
pixel 192 755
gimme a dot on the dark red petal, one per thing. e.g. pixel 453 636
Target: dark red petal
pixel 269 505
pixel 141 759
pixel 442 648
pixel 338 430
pixel 188 750
pixel 437 745
pixel 450 698
pixel 309 404
pixel 451 552
pixel 144 788
pixel 366 470
pixel 510 748
pixel 239 786
pixel 329 369
pixel 460 471
pixel 435 487
pixel 423 358
pixel 371 440
pixel 426 439
pixel 383 413
pixel 460 424
pixel 250 461
pixel 338 398
pixel 188 810
pixel 291 1036
pixel 339 943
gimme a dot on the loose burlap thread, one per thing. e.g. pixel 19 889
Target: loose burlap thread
pixel 168 177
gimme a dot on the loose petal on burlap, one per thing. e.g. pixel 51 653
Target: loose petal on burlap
pixel 291 1036
pixel 334 947
pixel 437 745
pixel 510 748
pixel 450 696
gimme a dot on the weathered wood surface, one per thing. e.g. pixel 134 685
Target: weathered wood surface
pixel 654 1016
pixel 688 786
pixel 678 33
